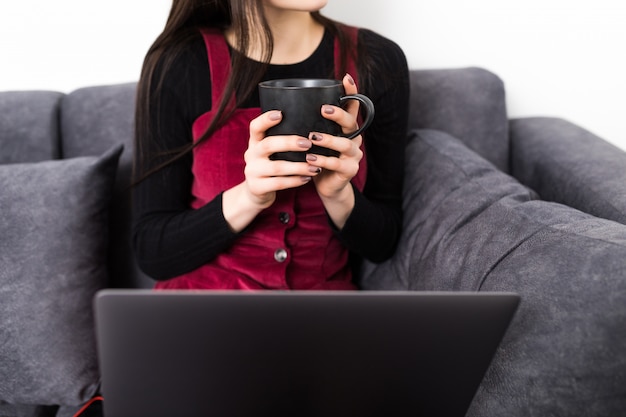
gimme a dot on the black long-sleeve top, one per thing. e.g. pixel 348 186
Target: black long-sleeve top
pixel 171 239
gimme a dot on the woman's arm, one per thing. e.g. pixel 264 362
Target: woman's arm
pixel 374 225
pixel 169 237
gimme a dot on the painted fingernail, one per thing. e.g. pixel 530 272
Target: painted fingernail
pixel 315 170
pixel 305 179
pixel 275 115
pixel 350 79
pixel 304 143
pixel 311 158
pixel 329 109
pixel 316 136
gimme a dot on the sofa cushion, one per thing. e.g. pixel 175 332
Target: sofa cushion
pixel 53 222
pixel 29 126
pixel 470 227
pixel 451 197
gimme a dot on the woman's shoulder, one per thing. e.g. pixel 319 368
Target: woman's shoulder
pixel 180 58
pixel 379 48
pixel 183 76
pixel 369 35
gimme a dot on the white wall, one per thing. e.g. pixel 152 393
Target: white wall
pixel 562 58
pixel 66 44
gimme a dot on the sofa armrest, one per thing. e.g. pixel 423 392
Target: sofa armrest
pixel 569 165
pixel 468 103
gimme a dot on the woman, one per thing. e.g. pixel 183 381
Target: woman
pixel 211 210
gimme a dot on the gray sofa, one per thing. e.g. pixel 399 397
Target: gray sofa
pixel 535 206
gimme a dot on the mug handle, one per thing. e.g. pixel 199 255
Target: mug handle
pixel 369 117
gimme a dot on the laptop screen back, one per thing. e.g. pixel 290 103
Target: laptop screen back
pixel 274 354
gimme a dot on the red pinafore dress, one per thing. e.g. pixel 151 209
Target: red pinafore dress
pixel 290 245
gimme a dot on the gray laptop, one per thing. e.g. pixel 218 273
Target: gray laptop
pixel 318 354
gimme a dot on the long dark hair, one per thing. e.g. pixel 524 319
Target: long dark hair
pixel 185 20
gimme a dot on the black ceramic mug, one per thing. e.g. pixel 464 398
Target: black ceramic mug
pixel 301 101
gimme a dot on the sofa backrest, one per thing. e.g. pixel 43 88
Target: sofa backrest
pixel 469 104
pixel 29 126
pixel 93 120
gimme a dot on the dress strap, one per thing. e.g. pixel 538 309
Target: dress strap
pixel 219 63
pixel 351 33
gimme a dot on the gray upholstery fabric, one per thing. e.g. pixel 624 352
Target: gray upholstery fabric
pixel 565 353
pixel 442 195
pixel 93 119
pixel 29 126
pixel 470 227
pixel 569 165
pixel 468 103
pixel 53 257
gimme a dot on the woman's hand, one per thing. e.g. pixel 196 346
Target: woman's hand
pixel 333 184
pixel 263 177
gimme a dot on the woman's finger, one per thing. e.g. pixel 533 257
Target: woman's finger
pixel 260 124
pixel 350 88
